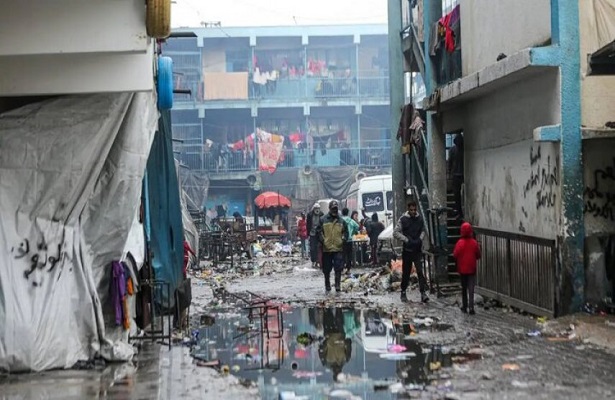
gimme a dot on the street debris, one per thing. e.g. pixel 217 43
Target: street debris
pixel 511 367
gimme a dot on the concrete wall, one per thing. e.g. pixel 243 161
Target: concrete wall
pixel 597 92
pixel 599 163
pixel 74 46
pixel 491 27
pixel 597 102
pixel 513 183
pixel 599 196
pixel 214 60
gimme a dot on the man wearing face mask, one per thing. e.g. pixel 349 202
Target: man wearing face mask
pixel 410 229
pixel 333 232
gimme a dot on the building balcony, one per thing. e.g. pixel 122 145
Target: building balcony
pixel 238 88
pixel 377 156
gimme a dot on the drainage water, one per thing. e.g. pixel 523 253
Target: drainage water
pixel 309 351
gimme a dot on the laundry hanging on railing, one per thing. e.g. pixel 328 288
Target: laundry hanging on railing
pixel 410 129
pixel 446 31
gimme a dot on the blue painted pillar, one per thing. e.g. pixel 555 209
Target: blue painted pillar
pixel 396 82
pixel 436 143
pixel 565 34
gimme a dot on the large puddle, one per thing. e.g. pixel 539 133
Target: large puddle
pixel 313 352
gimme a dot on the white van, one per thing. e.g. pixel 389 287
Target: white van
pixel 375 195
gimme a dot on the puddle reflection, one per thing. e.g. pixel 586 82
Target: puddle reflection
pixel 310 350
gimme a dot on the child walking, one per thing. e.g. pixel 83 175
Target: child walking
pixel 467 253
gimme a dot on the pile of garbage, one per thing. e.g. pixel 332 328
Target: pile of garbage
pixel 276 248
pixel 378 281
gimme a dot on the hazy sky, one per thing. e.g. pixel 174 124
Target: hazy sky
pixel 190 13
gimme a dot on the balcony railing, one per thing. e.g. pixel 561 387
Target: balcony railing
pixel 295 158
pixel 307 88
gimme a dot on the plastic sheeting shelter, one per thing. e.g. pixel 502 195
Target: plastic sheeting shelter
pixel 163 212
pixel 71 173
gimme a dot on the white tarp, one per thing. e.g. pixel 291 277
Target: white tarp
pixel 602 23
pixel 71 171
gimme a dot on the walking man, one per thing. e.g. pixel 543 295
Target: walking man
pixel 410 229
pixel 333 231
pixel 313 222
pixel 455 170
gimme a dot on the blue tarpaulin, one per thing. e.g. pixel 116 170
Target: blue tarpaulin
pixel 163 216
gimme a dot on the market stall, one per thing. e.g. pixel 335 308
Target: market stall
pixel 272 211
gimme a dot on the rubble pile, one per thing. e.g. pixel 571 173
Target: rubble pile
pixel 377 281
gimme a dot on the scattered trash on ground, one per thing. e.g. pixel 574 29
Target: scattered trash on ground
pixel 511 367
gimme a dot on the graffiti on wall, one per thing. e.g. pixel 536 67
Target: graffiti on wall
pixel 542 186
pixel 599 193
pixel 544 179
pixel 38 255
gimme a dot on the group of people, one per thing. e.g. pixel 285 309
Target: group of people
pixel 330 238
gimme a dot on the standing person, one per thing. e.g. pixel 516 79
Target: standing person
pixel 335 349
pixel 455 169
pixel 363 230
pixel 467 254
pixel 302 231
pixel 333 231
pixel 353 229
pixel 187 252
pixel 374 229
pixel 313 222
pixel 410 229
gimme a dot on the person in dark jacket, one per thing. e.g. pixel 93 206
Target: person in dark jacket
pixel 303 233
pixel 374 229
pixel 410 229
pixel 455 170
pixel 333 232
pixel 313 222
pixel 467 254
pixel 335 349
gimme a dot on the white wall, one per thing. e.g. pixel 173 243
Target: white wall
pixel 598 92
pixel 491 27
pixel 74 46
pixel 512 183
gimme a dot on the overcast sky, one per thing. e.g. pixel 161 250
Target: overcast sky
pixel 190 13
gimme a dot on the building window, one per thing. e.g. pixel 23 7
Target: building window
pixel 237 61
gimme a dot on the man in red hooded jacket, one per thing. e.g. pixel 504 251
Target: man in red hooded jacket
pixel 467 254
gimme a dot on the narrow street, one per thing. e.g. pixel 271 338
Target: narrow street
pixel 177 177
pixel 396 350
pixel 489 355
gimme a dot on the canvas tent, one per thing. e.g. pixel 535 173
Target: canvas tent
pixel 71 173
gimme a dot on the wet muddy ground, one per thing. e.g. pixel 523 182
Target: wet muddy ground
pixel 273 333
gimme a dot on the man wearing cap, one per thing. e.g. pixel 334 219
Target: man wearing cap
pixel 333 232
pixel 313 222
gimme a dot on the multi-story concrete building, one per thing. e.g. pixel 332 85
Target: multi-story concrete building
pixel 530 85
pixel 323 89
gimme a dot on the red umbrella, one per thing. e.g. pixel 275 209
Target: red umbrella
pixel 271 199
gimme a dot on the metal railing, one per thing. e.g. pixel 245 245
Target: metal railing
pixel 322 88
pixel 518 270
pixel 302 88
pixel 292 158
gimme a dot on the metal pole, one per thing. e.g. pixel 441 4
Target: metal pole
pixel 358 72
pixel 359 132
pixel 255 143
pixel 202 147
pixel 396 82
